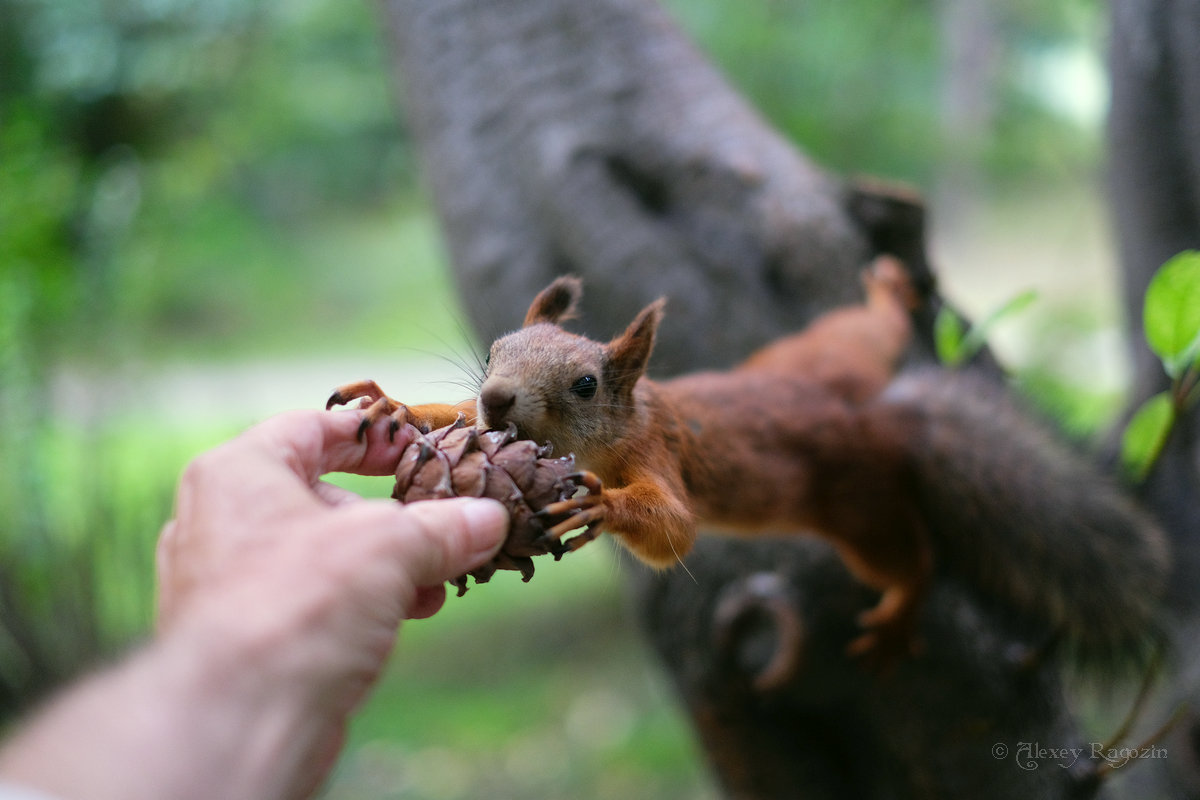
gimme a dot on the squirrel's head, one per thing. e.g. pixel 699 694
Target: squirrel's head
pixel 560 387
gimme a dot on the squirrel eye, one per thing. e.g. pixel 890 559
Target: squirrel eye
pixel 585 387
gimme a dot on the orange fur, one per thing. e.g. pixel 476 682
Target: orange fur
pixel 781 442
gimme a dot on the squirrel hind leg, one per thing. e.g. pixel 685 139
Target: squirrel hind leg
pixel 899 565
pixel 890 634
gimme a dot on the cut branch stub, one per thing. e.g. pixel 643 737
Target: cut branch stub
pixel 462 461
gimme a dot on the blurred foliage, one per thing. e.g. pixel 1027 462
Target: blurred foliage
pixel 173 172
pixel 165 164
pixel 188 178
pixel 860 84
pixel 81 512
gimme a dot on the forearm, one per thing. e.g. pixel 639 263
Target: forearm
pixel 172 720
pixel 278 607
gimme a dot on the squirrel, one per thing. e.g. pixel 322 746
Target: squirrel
pixel 821 432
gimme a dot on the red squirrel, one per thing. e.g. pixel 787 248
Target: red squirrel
pixel 815 433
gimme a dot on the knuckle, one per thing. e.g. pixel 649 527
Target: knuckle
pixel 200 471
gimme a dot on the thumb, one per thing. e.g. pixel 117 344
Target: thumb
pixel 445 538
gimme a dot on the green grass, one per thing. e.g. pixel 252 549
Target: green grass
pixel 524 691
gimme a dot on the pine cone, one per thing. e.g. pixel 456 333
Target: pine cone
pixel 461 461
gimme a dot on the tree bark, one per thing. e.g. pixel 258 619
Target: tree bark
pixel 1154 171
pixel 589 136
pixel 1154 144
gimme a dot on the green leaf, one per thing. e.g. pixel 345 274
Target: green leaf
pixel 1146 434
pixel 978 335
pixel 957 345
pixel 1172 312
pixel 948 334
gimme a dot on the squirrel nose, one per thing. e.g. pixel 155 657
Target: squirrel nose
pixel 495 401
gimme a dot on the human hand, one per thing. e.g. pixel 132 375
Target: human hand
pixel 284 576
pixel 279 600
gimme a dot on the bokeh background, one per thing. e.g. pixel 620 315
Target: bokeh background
pixel 210 211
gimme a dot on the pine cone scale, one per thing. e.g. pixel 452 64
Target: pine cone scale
pixel 460 461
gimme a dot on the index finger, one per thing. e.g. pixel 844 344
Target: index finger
pixel 313 443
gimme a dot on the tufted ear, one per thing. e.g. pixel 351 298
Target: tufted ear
pixel 627 355
pixel 557 302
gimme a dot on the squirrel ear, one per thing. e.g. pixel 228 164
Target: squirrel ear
pixel 557 302
pixel 627 355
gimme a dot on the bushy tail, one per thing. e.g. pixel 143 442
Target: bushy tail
pixel 1030 523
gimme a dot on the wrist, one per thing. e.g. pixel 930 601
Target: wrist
pixel 252 716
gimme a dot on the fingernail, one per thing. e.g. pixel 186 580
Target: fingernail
pixel 487 523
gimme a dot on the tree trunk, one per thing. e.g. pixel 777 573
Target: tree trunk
pixel 1154 170
pixel 589 136
pixel 971 55
pixel 1154 136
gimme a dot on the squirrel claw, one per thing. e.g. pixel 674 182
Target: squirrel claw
pixel 586 511
pixel 352 391
pixel 375 405
pixel 588 517
pixel 573 504
pixel 376 411
pixel 588 480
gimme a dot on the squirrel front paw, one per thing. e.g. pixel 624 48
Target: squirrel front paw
pixel 586 511
pixel 376 405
